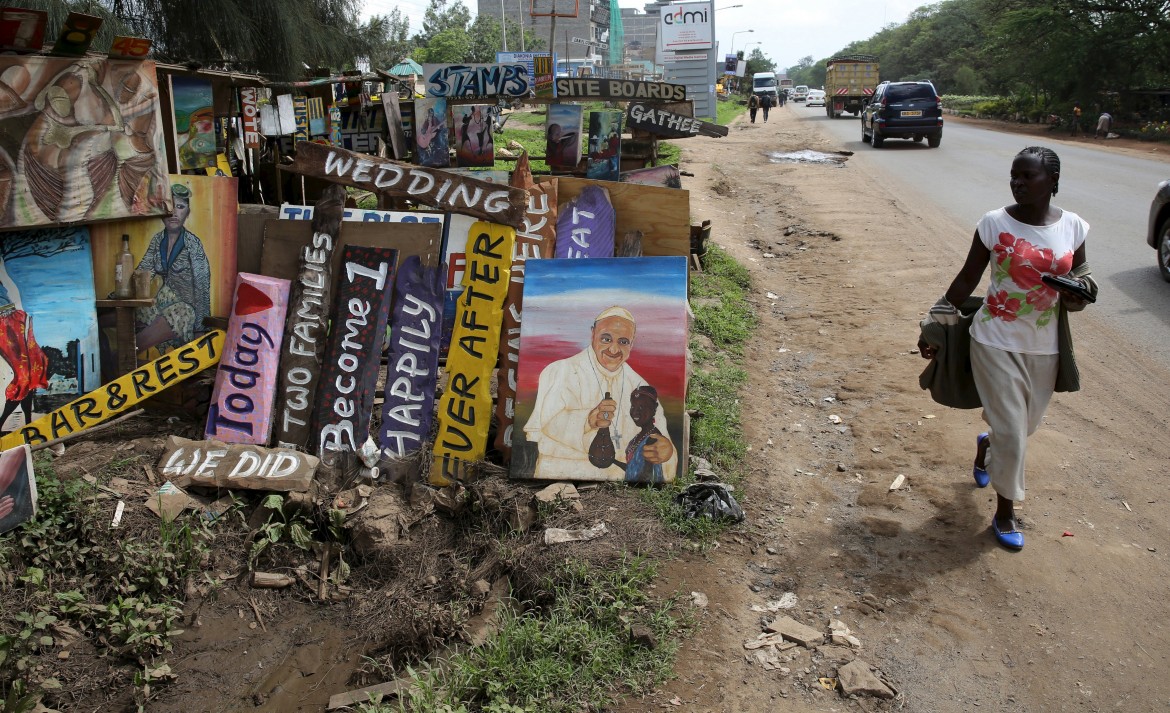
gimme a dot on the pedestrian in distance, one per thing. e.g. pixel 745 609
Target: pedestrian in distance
pixel 753 105
pixel 1076 120
pixel 1104 125
pixel 766 103
pixel 1021 347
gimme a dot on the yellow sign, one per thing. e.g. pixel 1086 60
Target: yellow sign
pixel 120 394
pixel 466 407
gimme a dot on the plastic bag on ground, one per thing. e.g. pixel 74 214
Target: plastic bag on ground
pixel 710 500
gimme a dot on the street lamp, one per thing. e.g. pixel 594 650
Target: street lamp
pixel 733 34
pixel 504 24
pixel 727 8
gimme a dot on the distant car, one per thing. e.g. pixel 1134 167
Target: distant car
pixel 1158 235
pixel 800 93
pixel 816 97
pixel 903 110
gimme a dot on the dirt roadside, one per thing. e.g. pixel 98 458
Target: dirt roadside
pixel 953 622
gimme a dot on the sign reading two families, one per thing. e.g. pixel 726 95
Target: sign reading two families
pixel 430 186
pixel 477 81
pixel 122 393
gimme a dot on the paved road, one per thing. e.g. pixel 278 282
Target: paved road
pixel 968 175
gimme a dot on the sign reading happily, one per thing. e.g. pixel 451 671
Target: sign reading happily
pixel 245 385
pixel 429 186
pixel 412 366
pixel 307 325
pixel 351 364
pixel 215 464
pixel 465 409
pixel 473 81
pixel 122 393
pixel 619 89
pixel 666 123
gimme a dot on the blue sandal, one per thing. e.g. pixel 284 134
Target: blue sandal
pixel 1011 538
pixel 981 476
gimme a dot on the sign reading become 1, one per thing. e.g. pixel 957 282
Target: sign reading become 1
pixel 459 81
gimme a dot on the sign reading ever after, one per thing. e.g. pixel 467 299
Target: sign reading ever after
pixel 245 385
pixel 122 393
pixel 474 81
pixel 413 362
pixel 350 371
pixel 466 407
pixel 430 186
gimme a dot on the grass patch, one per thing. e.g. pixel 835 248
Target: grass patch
pixel 725 111
pixel 576 655
pixel 533 140
pixel 70 575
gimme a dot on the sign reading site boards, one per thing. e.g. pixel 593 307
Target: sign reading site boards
pixel 687 26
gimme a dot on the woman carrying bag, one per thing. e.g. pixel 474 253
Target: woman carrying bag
pixel 1020 344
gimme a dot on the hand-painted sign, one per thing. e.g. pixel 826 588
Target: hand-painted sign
pixel 429 186
pixel 301 119
pixel 537 239
pixel 465 409
pixel 77 35
pixel 22 30
pixel 288 211
pixel 473 81
pixel 412 366
pixel 668 124
pixel 587 225
pixel 307 326
pixel 130 47
pixel 350 372
pixel 215 464
pixel 245 385
pixel 619 89
pixel 250 108
pixel 122 393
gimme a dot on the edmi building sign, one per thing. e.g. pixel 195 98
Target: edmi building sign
pixel 687 26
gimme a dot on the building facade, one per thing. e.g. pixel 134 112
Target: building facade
pixel 586 35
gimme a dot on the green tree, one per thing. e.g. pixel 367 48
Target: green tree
pixel 388 37
pixel 487 39
pixel 450 46
pixel 441 16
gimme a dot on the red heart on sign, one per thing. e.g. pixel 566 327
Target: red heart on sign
pixel 250 300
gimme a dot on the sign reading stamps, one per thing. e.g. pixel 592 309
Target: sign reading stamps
pixel 474 81
pixel 429 186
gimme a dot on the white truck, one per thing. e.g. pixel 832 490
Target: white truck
pixel 764 83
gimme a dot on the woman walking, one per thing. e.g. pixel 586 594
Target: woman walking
pixel 1021 349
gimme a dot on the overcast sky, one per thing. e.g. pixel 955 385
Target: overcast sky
pixel 786 29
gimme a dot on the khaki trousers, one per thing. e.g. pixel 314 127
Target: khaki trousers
pixel 1015 390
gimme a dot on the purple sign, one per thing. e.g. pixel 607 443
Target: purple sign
pixel 350 371
pixel 245 385
pixel 586 225
pixel 412 367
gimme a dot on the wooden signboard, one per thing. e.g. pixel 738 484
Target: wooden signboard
pixel 394 123
pixel 22 30
pixel 536 240
pixel 661 176
pixel 250 109
pixel 245 385
pixel 18 488
pixel 618 89
pixel 215 464
pixel 668 124
pixel 307 325
pixel 300 119
pixel 586 225
pixel 122 393
pixel 465 409
pixel 412 366
pixel 429 186
pixel 124 47
pixel 478 81
pixel 77 35
pixel 350 372
pixel 662 214
pixel 285 240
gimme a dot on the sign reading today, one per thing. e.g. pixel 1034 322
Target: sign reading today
pixel 687 26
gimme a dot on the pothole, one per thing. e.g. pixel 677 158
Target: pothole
pixel 837 158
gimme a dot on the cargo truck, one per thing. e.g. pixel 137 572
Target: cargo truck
pixel 850 81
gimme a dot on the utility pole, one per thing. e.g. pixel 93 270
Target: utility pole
pixel 552 35
pixel 504 24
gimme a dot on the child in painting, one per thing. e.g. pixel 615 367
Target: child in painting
pixel 643 406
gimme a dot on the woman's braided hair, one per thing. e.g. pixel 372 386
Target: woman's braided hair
pixel 1049 160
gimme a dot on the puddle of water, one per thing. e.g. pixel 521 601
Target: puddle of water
pixel 808 156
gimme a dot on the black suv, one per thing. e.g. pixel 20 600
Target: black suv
pixel 903 110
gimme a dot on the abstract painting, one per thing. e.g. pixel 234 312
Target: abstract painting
pixel 48 325
pixel 80 140
pixel 602 380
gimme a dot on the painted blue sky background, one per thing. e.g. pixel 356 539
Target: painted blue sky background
pixel 57 291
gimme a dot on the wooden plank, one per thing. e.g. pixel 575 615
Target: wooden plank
pixel 215 464
pixel 412 366
pixel 350 371
pixel 618 89
pixel 245 385
pixel 308 325
pixel 122 393
pixel 662 122
pixel 284 240
pixel 429 186
pixel 586 225
pixel 394 125
pixel 662 214
pixel 466 406
pixel 250 109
